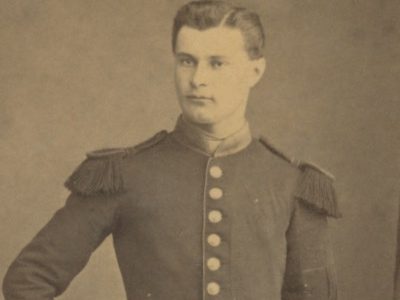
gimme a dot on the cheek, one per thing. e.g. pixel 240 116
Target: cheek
pixel 231 90
pixel 234 77
pixel 232 84
pixel 182 77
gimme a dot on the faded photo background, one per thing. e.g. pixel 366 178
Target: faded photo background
pixel 81 75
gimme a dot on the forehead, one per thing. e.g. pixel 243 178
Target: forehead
pixel 216 41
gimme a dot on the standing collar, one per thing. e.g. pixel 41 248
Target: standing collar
pixel 199 140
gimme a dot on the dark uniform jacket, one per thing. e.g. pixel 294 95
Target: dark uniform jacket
pixel 241 223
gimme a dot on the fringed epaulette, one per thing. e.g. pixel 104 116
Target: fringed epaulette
pixel 315 189
pixel 101 171
pixel 267 144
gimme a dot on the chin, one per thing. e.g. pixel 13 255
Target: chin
pixel 200 117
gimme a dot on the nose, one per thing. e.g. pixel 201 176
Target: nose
pixel 199 77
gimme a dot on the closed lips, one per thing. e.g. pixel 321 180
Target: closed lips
pixel 199 97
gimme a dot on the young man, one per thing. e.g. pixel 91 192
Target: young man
pixel 205 211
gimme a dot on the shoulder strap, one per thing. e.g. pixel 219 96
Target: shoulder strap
pixel 267 144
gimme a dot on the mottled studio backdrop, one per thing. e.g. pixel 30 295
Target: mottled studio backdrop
pixel 77 75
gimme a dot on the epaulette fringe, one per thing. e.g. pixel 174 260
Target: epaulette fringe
pixel 316 188
pixel 101 172
pixel 98 175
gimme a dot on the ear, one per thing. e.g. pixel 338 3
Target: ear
pixel 257 70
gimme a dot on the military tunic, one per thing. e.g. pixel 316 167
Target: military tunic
pixel 241 223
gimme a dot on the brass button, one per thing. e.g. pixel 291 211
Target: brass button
pixel 214 240
pixel 213 264
pixel 213 288
pixel 215 172
pixel 214 216
pixel 215 193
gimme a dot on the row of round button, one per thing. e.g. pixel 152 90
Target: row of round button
pixel 214 240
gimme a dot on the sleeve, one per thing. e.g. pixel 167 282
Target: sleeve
pixel 396 293
pixel 46 266
pixel 310 272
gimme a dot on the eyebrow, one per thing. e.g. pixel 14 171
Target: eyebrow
pixel 185 54
pixel 218 57
pixel 210 57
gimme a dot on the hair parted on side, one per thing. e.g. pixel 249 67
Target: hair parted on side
pixel 205 14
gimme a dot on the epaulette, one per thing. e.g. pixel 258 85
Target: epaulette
pixel 101 171
pixel 315 189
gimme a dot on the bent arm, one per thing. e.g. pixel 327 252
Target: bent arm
pixel 61 249
pixel 310 271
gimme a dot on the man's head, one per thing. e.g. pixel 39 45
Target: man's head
pixel 218 49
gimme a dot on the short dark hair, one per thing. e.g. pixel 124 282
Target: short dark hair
pixel 206 14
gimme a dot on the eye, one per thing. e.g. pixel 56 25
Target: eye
pixel 186 62
pixel 216 64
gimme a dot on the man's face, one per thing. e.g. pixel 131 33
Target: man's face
pixel 213 73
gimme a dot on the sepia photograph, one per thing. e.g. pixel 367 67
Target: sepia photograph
pixel 200 150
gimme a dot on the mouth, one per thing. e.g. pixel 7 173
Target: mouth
pixel 199 98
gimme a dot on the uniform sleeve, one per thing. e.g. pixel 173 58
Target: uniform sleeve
pixel 46 266
pixel 396 293
pixel 310 272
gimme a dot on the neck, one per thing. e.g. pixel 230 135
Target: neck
pixel 223 128
pixel 233 140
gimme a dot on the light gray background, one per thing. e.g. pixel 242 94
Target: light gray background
pixel 80 75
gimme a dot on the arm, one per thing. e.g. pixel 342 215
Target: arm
pixel 46 266
pixel 396 293
pixel 309 266
pixel 310 270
